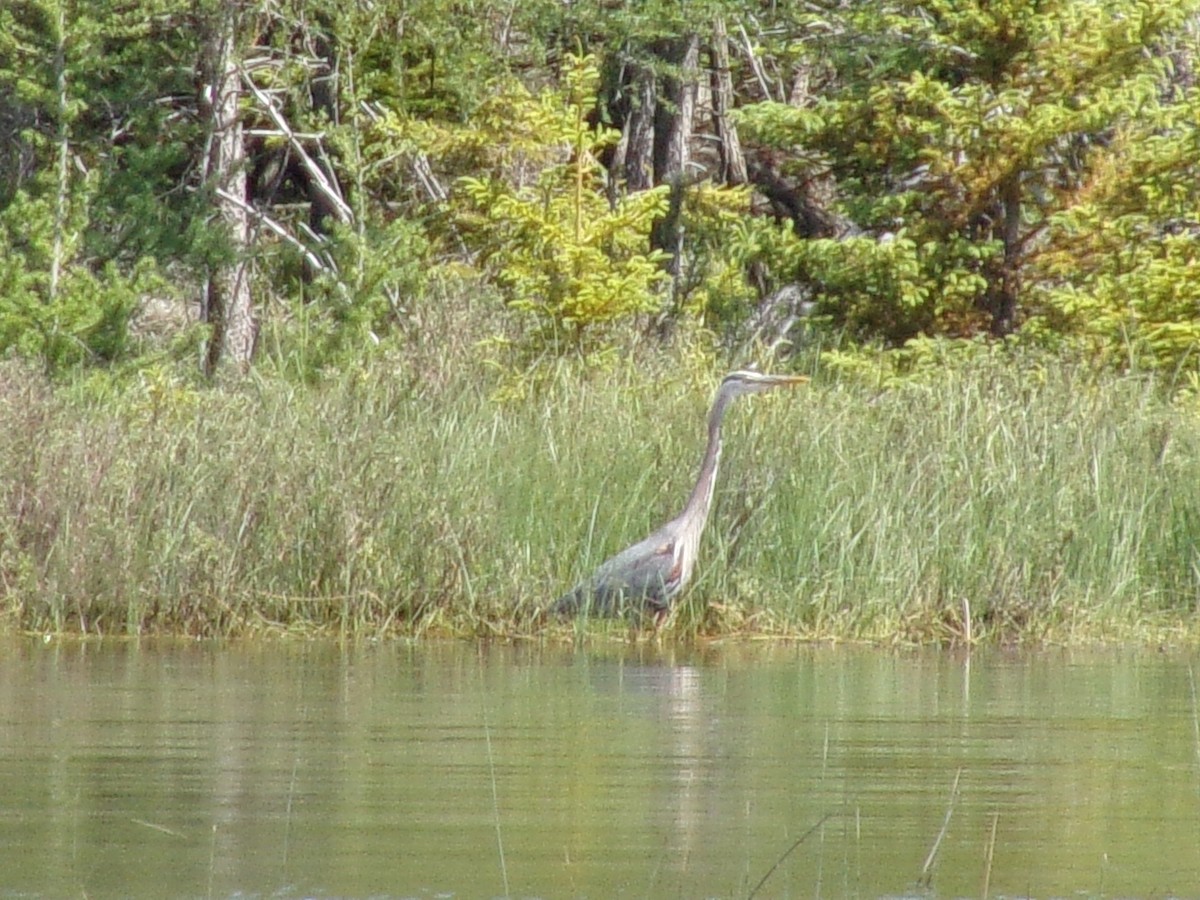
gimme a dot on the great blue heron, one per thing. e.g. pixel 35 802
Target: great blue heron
pixel 647 576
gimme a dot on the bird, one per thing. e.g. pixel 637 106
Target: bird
pixel 649 575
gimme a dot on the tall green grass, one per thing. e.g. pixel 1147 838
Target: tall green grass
pixel 984 502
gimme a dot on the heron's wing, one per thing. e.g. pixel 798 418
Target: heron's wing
pixel 646 574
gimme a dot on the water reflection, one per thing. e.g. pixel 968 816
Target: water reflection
pixel 398 770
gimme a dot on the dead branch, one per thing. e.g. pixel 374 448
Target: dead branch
pixel 327 189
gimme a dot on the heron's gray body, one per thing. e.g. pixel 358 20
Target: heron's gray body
pixel 644 577
pixel 647 576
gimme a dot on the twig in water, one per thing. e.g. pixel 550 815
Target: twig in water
pixel 163 828
pixel 788 852
pixel 1195 714
pixel 662 857
pixel 987 857
pixel 821 848
pixel 487 733
pixel 287 825
pixel 212 861
pixel 927 869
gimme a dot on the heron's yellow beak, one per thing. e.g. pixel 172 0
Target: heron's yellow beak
pixel 792 379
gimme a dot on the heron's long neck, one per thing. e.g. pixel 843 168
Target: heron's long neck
pixel 696 510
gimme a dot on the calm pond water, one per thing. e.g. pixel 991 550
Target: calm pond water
pixel 393 770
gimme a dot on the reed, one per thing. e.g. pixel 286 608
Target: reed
pixel 982 503
pixel 1043 505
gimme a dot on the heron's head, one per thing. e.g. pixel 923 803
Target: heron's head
pixel 748 381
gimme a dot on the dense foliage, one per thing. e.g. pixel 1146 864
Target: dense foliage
pixel 914 169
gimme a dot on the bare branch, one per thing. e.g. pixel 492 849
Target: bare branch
pixel 755 63
pixel 275 228
pixel 328 189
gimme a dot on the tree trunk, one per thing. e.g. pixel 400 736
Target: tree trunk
pixel 733 162
pixel 673 119
pixel 63 140
pixel 1006 289
pixel 638 164
pixel 672 139
pixel 226 305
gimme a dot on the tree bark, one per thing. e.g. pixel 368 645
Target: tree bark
pixel 1006 289
pixel 733 161
pixel 63 139
pixel 226 304
pixel 638 167
pixel 672 139
pixel 673 120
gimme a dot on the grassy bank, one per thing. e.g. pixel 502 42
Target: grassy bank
pixel 992 502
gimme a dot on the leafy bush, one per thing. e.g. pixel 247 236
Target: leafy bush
pixel 84 320
pixel 536 213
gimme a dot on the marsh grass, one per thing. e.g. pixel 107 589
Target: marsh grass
pixel 987 503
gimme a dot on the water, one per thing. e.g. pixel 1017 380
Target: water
pixel 280 770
